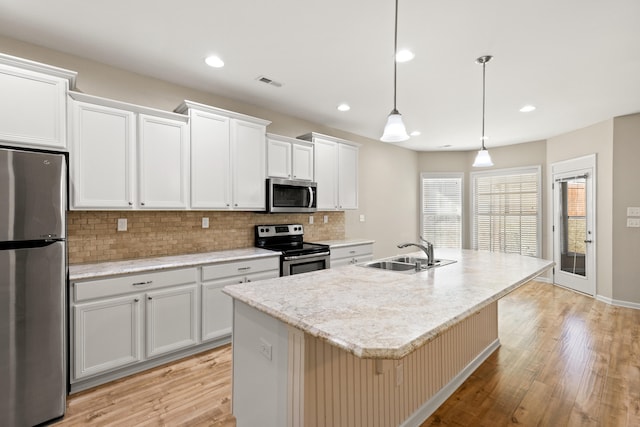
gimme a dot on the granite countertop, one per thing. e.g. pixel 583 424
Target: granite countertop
pixel 381 314
pixel 346 242
pixel 103 269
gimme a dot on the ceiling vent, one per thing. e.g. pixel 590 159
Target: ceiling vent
pixel 268 81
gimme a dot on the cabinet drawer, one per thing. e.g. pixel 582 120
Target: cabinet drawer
pixel 235 268
pixel 351 251
pixel 132 283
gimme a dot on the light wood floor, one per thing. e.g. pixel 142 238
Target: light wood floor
pixel 565 360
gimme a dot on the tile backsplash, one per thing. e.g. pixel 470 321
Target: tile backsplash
pixel 93 235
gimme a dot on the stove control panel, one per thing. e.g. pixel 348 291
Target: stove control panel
pixel 276 230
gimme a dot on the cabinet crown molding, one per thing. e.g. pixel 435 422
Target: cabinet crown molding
pixel 26 64
pixel 106 102
pixel 313 135
pixel 186 105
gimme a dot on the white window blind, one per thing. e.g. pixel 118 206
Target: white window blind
pixel 442 209
pixel 506 211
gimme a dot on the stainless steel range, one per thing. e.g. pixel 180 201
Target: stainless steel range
pixel 298 256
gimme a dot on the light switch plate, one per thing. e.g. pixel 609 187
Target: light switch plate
pixel 633 211
pixel 205 222
pixel 361 217
pixel 633 222
pixel 122 224
pixel 310 219
pixel 325 219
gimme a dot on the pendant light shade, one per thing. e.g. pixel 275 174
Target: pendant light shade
pixel 394 130
pixel 483 159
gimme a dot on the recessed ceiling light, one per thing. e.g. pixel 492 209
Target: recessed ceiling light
pixel 415 133
pixel 214 61
pixel 527 109
pixel 404 55
pixel 344 107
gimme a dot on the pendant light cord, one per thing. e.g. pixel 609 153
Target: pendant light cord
pixel 484 64
pixel 395 63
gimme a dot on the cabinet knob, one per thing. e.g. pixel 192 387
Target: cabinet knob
pixel 136 300
pixel 236 205
pixel 130 203
pixel 149 298
pixel 248 280
pixel 227 204
pixel 142 203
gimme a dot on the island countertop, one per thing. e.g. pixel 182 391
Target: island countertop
pixel 380 314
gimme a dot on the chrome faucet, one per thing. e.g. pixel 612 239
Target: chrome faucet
pixel 427 248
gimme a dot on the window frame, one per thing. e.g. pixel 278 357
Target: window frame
pixel 444 175
pixel 537 169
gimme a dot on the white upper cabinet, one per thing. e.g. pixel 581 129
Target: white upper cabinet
pixel 289 158
pixel 103 151
pixel 336 171
pixel 163 170
pixel 33 103
pixel 228 158
pixel 125 156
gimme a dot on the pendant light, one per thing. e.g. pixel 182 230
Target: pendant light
pixel 394 130
pixel 483 159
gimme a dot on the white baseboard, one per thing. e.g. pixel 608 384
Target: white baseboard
pixel 430 406
pixel 618 303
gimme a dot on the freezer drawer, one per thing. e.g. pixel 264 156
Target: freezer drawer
pixel 32 338
pixel 33 195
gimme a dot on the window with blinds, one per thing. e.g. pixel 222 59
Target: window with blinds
pixel 442 209
pixel 507 211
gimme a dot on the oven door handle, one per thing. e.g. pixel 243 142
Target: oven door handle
pixel 296 257
pixel 310 197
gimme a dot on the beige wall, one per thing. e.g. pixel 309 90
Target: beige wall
pixel 626 193
pixel 596 139
pixel 387 176
pixel 519 155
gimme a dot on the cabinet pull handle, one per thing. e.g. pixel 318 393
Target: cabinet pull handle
pixel 244 268
pixel 148 282
pixel 352 252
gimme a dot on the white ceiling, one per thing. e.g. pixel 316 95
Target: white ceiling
pixel 577 61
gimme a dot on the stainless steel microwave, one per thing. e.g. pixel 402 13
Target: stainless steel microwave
pixel 288 195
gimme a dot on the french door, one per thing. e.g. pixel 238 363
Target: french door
pixel 574 234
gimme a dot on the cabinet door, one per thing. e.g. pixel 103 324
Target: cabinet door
pixel 326 173
pixel 164 161
pixel 106 335
pixel 248 165
pixel 278 158
pixel 32 108
pixel 302 162
pixel 217 307
pixel 210 161
pixel 102 151
pixel 347 177
pixel 171 319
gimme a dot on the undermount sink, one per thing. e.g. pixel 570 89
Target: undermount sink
pixel 407 264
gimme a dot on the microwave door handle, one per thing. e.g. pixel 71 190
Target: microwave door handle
pixel 310 197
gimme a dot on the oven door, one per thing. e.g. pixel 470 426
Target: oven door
pixel 304 263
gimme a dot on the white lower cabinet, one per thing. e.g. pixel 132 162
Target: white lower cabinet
pixel 125 324
pixel 216 305
pixel 106 335
pixel 171 319
pixel 353 254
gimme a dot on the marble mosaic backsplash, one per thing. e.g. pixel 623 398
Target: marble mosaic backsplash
pixel 93 235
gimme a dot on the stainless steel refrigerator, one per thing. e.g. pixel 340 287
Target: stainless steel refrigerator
pixel 33 273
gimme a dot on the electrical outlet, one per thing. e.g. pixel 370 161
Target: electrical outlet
pixel 265 349
pixel 122 224
pixel 633 222
pixel 633 211
pixel 325 219
pixel 310 219
pixel 205 222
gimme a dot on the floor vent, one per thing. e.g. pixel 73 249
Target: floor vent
pixel 268 81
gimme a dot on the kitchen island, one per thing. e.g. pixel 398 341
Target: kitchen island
pixel 358 346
